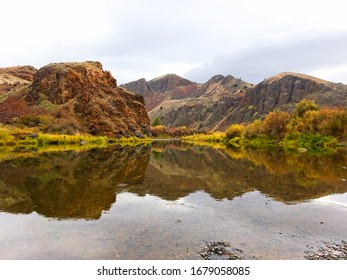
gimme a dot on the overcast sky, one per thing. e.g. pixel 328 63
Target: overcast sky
pixel 195 39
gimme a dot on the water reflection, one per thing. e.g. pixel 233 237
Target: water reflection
pixel 70 185
pixel 175 171
pixel 81 185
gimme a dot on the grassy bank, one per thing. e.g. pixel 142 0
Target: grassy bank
pixel 307 129
pixel 17 138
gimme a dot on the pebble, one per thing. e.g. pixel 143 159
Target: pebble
pixel 213 249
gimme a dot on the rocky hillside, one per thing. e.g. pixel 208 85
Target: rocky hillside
pixel 70 98
pixel 198 106
pixel 221 101
pixel 13 77
pixel 25 73
pixel 161 89
pixel 283 92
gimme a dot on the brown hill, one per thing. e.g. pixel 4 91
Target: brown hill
pixel 283 92
pixel 14 77
pixel 76 97
pixel 198 106
pixel 22 72
pixel 161 89
pixel 221 101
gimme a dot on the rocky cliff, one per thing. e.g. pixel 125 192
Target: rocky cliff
pixel 184 103
pixel 76 97
pixel 222 101
pixel 283 92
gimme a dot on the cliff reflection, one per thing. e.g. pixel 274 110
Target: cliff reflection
pixel 70 185
pixel 82 185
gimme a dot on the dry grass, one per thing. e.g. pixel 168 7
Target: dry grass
pixel 29 138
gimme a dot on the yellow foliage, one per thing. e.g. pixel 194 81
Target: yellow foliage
pixel 235 130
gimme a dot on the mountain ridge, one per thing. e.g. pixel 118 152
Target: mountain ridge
pixel 223 100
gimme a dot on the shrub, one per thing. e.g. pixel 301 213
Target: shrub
pixel 158 130
pixel 275 124
pixel 333 122
pixel 157 121
pixel 212 137
pixel 235 130
pixel 253 129
pixel 5 136
pixel 311 142
pixel 327 121
pixel 162 130
pixel 303 106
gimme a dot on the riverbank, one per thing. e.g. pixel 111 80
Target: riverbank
pixel 297 143
pixel 14 138
pixel 307 129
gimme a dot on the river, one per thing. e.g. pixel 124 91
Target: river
pixel 167 200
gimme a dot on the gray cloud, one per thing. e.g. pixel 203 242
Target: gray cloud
pixel 303 54
pixel 134 39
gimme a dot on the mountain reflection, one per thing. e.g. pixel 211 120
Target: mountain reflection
pixel 70 185
pixel 82 185
pixel 227 173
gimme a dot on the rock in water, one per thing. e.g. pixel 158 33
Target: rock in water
pixel 86 98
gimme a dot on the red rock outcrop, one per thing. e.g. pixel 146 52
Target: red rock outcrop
pixel 82 97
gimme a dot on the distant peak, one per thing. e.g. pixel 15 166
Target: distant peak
pixel 167 76
pixel 216 78
pixel 168 82
pixel 140 86
pixel 296 75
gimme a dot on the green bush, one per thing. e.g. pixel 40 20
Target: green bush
pixel 304 106
pixel 157 121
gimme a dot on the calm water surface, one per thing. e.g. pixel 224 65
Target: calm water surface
pixel 167 200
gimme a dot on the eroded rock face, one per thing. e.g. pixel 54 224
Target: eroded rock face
pixel 61 82
pixel 284 91
pixel 140 86
pixel 198 106
pixel 71 98
pixel 78 97
pixel 162 89
pixel 224 100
